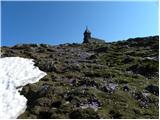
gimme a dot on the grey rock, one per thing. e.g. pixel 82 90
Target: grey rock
pixel 110 88
pixel 153 89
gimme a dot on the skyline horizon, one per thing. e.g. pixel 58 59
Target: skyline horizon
pixel 81 41
pixel 64 22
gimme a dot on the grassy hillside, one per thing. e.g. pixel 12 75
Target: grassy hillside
pixel 102 80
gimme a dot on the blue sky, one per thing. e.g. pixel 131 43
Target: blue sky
pixel 64 22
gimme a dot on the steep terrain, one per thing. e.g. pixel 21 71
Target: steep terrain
pixel 15 72
pixel 99 80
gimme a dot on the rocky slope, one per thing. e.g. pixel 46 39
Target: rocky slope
pixel 100 80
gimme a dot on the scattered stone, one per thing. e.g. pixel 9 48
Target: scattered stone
pixel 110 88
pixel 142 98
pixel 82 79
pixel 153 89
pixel 126 88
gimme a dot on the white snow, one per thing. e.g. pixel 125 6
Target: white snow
pixel 15 72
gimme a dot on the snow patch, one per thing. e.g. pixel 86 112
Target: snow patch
pixel 15 72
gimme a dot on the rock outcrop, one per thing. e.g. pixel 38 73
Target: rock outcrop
pixel 100 80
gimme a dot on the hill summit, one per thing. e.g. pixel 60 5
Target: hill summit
pixel 100 80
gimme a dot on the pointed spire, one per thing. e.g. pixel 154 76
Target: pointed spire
pixel 87 35
pixel 87 30
pixel 86 27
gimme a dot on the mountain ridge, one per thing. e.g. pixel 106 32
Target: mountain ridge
pixel 93 80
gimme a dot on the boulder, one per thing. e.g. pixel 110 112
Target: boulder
pixel 142 98
pixel 46 65
pixel 154 89
pixel 126 88
pixel 110 88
